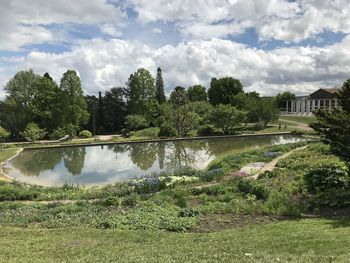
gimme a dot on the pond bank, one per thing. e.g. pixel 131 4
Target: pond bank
pixel 3 175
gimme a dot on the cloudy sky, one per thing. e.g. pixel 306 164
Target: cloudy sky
pixel 270 45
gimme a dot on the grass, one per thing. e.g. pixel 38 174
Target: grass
pixel 307 240
pixel 302 119
pixel 7 153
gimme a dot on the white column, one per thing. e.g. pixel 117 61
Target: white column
pixel 318 104
pixel 313 105
pixel 308 107
pixel 293 107
pixel 330 104
pixel 303 107
pixel 297 110
pixel 336 103
pixel 287 107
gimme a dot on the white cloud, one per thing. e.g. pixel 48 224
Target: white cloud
pixel 290 21
pixel 104 64
pixel 22 22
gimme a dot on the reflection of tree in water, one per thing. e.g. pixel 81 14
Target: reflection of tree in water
pixel 143 155
pixel 118 148
pixel 185 153
pixel 33 162
pixel 74 158
pixel 161 154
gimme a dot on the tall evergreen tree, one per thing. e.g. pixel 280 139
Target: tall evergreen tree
pixel 160 87
pixel 141 92
pixel 73 105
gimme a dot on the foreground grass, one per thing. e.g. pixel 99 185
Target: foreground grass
pixel 307 240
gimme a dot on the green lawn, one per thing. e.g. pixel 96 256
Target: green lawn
pixel 307 240
pixel 302 119
pixel 7 153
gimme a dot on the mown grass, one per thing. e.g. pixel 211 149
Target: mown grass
pixel 302 119
pixel 7 153
pixel 307 240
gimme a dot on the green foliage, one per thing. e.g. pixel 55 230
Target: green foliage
pixel 130 200
pixel 33 133
pixel 280 203
pixel 60 132
pixel 111 201
pixel 334 125
pixel 85 134
pixel 282 98
pixel 222 90
pixel 247 186
pixel 160 87
pixel 329 176
pixel 136 122
pixel 178 97
pixel 166 130
pixel 4 133
pixel 73 106
pixel 264 110
pixel 205 130
pixel 226 117
pixel 197 93
pixel 140 92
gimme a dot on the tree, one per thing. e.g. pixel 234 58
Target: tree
pixel 334 125
pixel 282 98
pixel 197 93
pixel 140 92
pixel 20 96
pixel 160 87
pixel 178 97
pixel 264 110
pixel 114 109
pixel 135 122
pixel 33 133
pixel 226 117
pixel 73 104
pixel 4 134
pixel 222 90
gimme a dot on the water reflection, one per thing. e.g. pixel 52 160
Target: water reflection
pixel 98 165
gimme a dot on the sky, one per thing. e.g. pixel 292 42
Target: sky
pixel 270 45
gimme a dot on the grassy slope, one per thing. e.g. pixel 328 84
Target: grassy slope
pixel 7 153
pixel 302 119
pixel 307 240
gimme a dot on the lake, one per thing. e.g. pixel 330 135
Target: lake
pixel 100 165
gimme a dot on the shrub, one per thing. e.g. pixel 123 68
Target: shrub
pixel 254 188
pixel 328 176
pixel 181 199
pixel 85 134
pixel 130 200
pixel 205 130
pixel 148 185
pixel 60 132
pixel 188 212
pixel 136 122
pixel 33 132
pixel 281 204
pixel 4 133
pixel 159 121
pixel 166 130
pixel 111 201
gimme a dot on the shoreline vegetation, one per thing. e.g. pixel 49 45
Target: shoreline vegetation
pixel 224 200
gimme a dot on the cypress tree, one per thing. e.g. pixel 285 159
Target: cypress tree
pixel 160 87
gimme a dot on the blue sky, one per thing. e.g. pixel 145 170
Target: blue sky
pixel 270 45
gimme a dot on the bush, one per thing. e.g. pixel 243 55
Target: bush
pixel 148 185
pixel 159 121
pixel 329 176
pixel 188 212
pixel 85 134
pixel 136 122
pixel 111 201
pixel 253 188
pixel 33 132
pixel 60 132
pixel 205 130
pixel 130 200
pixel 166 130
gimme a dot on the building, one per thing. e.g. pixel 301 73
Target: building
pixel 320 99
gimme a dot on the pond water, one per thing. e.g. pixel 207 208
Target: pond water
pixel 99 165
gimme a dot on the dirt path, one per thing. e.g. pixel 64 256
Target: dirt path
pixel 271 165
pixel 299 125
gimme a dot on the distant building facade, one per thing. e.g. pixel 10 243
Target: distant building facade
pixel 320 99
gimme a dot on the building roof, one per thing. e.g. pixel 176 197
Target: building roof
pixel 332 90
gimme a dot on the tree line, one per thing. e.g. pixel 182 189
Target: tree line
pixel 36 106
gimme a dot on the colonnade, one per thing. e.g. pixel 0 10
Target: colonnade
pixel 307 106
